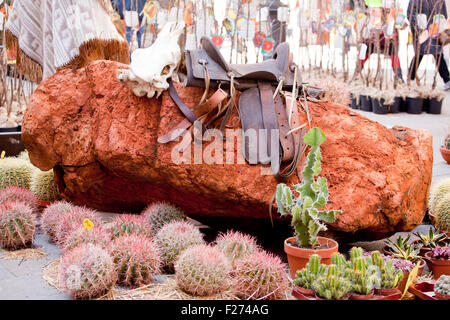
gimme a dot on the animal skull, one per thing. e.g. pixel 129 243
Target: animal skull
pixel 151 67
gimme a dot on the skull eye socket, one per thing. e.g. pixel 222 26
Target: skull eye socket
pixel 165 70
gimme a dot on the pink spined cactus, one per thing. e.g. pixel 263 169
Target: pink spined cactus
pixel 261 276
pixel 203 270
pixel 236 245
pixel 87 272
pixel 15 193
pixel 51 215
pixel 126 224
pixel 17 225
pixel 97 235
pixel 136 258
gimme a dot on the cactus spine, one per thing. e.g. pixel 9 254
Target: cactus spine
pixel 43 186
pixel 97 235
pixel 73 220
pixel 15 172
pixel 17 225
pixel 19 194
pixel 51 215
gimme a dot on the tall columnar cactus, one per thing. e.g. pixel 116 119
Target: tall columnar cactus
pixel 332 286
pixel 73 220
pixel 87 272
pixel 356 252
pixel 159 214
pixel 389 275
pixel 437 193
pixel 203 270
pixel 442 213
pixel 97 235
pixel 260 276
pixel 17 225
pixel 137 260
pixel 364 276
pixel 51 215
pixel 307 217
pixel 43 186
pixel 236 245
pixel 129 224
pixel 339 260
pixel 15 172
pixel 19 194
pixel 314 269
pixel 174 238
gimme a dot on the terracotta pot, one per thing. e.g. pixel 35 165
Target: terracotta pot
pixel 423 250
pixel 387 291
pixel 343 299
pixel 441 296
pixel 438 266
pixel 305 292
pixel 355 296
pixel 445 154
pixel 402 284
pixel 299 257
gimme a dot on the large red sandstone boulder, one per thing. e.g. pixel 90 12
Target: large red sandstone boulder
pixel 101 140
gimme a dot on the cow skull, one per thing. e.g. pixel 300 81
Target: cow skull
pixel 151 67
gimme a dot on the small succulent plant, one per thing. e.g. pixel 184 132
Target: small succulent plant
pixel 437 193
pixel 43 186
pixel 403 265
pixel 51 215
pixel 174 238
pixel 442 285
pixel 441 253
pixel 129 224
pixel 332 286
pixel 15 172
pixel 17 225
pixel 389 275
pixel 260 276
pixel 402 248
pixel 87 272
pixel 159 214
pixel 236 245
pixel 15 193
pixel 314 269
pixel 203 270
pixel 137 260
pixel 97 235
pixel 432 239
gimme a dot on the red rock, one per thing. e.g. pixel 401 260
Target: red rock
pixel 101 140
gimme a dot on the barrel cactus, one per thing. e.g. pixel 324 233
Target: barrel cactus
pixel 43 186
pixel 314 269
pixel 159 214
pixel 51 215
pixel 15 172
pixel 129 224
pixel 73 220
pixel 442 213
pixel 87 272
pixel 260 276
pixel 442 285
pixel 97 235
pixel 137 259
pixel 175 237
pixel 437 193
pixel 203 270
pixel 332 286
pixel 17 225
pixel 19 194
pixel 236 245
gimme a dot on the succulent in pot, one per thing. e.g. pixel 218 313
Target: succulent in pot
pixel 442 288
pixel 403 249
pixel 332 286
pixel 364 276
pixel 389 275
pixel 308 216
pixel 440 261
pixel 305 277
pixel 430 241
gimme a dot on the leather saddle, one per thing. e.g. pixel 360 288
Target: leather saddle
pixel 269 116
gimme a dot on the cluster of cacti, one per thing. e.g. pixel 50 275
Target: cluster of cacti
pixel 441 253
pixel 305 277
pixel 260 276
pixel 174 238
pixel 389 275
pixel 129 224
pixel 363 275
pixel 236 245
pixel 43 185
pixel 51 215
pixel 97 235
pixel 307 217
pixel 203 270
pixel 15 172
pixel 73 220
pixel 332 286
pixel 159 214
pixel 19 194
pixel 442 213
pixel 437 193
pixel 442 285
pixel 17 225
pixel 137 259
pixel 87 272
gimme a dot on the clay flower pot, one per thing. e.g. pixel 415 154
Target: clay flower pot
pixel 438 266
pixel 441 296
pixel 387 291
pixel 445 154
pixel 355 296
pixel 299 257
pixel 305 292
pixel 423 250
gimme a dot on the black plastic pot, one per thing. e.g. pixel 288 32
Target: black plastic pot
pixel 396 107
pixel 355 104
pixel 426 105
pixel 403 106
pixel 379 107
pixel 414 105
pixel 434 106
pixel 366 103
pixel 14 129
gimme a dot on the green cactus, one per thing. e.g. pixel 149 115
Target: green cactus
pixel 305 277
pixel 15 172
pixel 364 276
pixel 307 218
pixel 17 225
pixel 356 252
pixel 437 193
pixel 157 215
pixel 389 275
pixel 339 260
pixel 332 286
pixel 43 186
pixel 443 214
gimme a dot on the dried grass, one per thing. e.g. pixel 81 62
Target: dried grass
pixel 24 254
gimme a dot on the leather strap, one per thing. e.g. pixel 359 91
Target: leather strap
pixel 183 108
pixel 286 140
pixel 268 113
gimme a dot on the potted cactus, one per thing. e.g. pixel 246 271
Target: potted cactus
pixel 363 275
pixel 442 288
pixel 440 261
pixel 304 278
pixel 389 275
pixel 307 217
pixel 445 149
pixel 333 285
pixel 430 241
